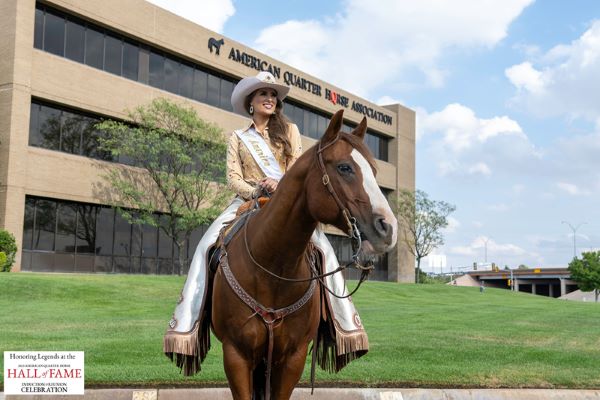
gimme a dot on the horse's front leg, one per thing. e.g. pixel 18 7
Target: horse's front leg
pixel 287 374
pixel 239 373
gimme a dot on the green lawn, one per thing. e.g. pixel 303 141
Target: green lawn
pixel 426 335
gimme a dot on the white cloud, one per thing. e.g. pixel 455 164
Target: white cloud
pixel 572 189
pixel 211 14
pixel 500 207
pixel 495 250
pixel 453 225
pixel 480 168
pixel 369 44
pixel 386 100
pixel 525 77
pixel 564 81
pixel 462 129
pixel 462 144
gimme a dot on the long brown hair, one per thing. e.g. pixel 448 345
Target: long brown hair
pixel 278 126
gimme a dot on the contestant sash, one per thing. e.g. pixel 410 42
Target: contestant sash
pixel 261 153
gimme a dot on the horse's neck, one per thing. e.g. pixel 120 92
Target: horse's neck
pixel 280 238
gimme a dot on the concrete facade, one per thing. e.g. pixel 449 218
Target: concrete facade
pixel 27 72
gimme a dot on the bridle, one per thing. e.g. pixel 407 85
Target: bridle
pixel 270 316
pixel 353 233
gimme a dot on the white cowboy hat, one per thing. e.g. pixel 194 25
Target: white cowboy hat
pixel 248 85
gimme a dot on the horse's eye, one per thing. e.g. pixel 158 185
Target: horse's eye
pixel 345 169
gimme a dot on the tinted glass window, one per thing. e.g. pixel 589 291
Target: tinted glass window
pixel 28 223
pixel 104 231
pixel 113 53
pixel 171 75
pixel 86 228
pixel 136 240
pixel 44 225
pixel 66 227
pixel 186 80
pixel 200 85
pixel 165 243
pixel 49 129
pixel 312 125
pixel 156 71
pixel 131 55
pixel 299 117
pixel 322 125
pixel 383 149
pixel 288 111
pixel 144 65
pixel 34 124
pixel 122 236
pixel 54 34
pixel 38 39
pixel 72 125
pixel 150 242
pixel 75 46
pixel 226 89
pixel 89 142
pixel 94 48
pixel 214 85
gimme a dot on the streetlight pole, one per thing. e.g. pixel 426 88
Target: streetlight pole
pixel 574 229
pixel 485 242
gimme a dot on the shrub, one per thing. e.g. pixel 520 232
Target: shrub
pixel 8 246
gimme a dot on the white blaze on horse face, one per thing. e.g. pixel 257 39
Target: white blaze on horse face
pixel 378 202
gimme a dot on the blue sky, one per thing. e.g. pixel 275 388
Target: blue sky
pixel 507 95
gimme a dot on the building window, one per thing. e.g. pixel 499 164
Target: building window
pixel 186 80
pixel 171 73
pixel 100 48
pixel 131 57
pixel 66 225
pixel 94 48
pixel 78 237
pixel 75 46
pixel 44 226
pixel 54 34
pixel 313 125
pixel 113 55
pixel 57 128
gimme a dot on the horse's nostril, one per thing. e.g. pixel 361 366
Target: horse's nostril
pixel 382 227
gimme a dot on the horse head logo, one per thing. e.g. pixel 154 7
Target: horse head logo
pixel 216 44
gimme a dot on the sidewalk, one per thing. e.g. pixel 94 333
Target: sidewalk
pixel 328 394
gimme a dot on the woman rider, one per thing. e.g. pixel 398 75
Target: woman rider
pixel 257 157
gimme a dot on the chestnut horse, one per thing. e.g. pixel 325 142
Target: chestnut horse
pixel 277 237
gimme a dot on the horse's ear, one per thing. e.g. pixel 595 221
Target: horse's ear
pixel 361 129
pixel 335 125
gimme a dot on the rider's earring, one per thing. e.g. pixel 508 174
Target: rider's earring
pixel 251 110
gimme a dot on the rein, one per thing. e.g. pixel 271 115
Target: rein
pixel 353 233
pixel 271 316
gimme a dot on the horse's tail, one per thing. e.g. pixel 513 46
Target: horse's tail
pixel 259 381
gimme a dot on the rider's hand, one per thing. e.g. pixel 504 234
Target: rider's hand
pixel 268 184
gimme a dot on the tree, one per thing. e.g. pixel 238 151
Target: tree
pixel 586 271
pixel 421 221
pixel 181 161
pixel 8 246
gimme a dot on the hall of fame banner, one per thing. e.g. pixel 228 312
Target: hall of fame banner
pixel 43 372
